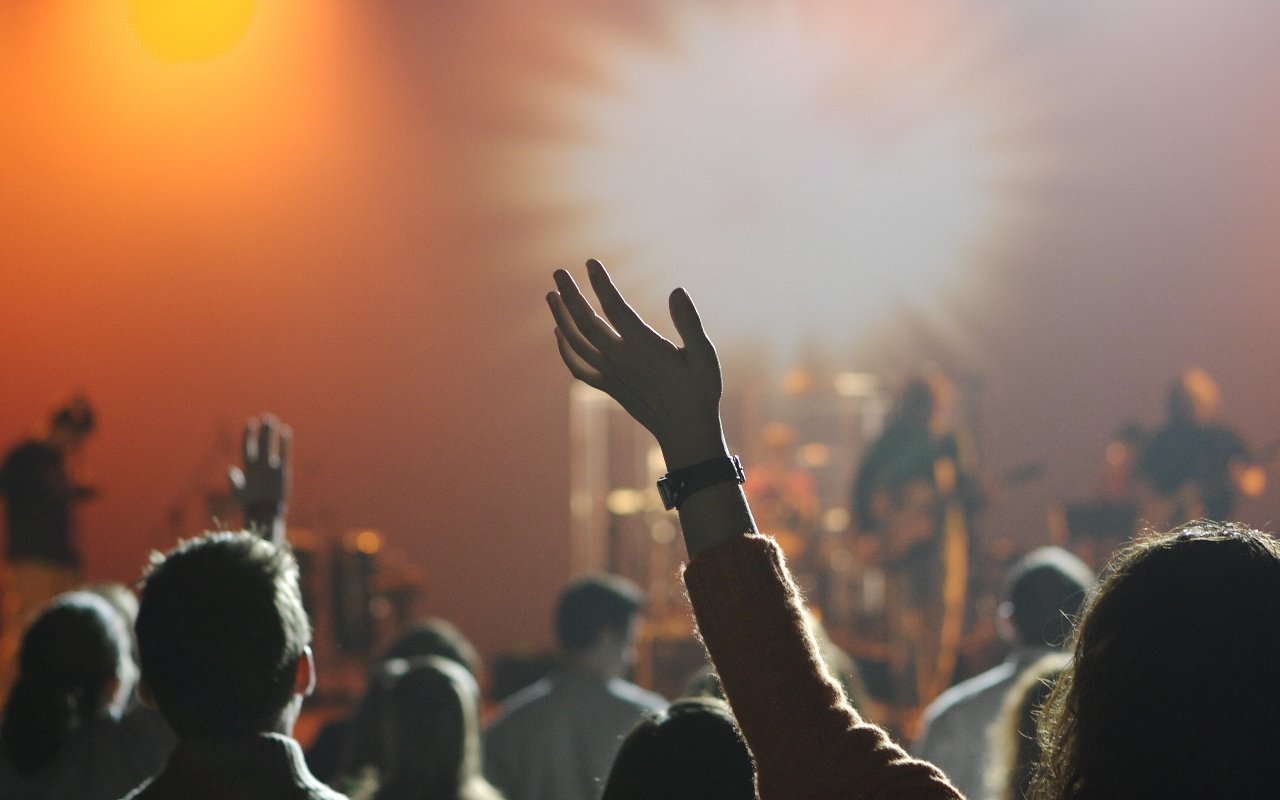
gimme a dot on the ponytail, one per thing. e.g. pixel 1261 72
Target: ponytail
pixel 70 654
pixel 37 720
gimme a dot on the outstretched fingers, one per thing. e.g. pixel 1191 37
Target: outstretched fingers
pixel 250 448
pixel 264 469
pixel 585 319
pixel 284 442
pixel 269 440
pixel 618 311
pixel 578 367
pixel 688 324
pixel 236 476
pixel 569 335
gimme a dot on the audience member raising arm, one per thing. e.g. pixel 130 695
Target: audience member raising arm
pixel 225 649
pixel 806 739
pixel 261 486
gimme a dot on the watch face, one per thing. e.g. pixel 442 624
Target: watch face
pixel 665 491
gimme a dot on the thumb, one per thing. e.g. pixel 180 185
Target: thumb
pixel 689 326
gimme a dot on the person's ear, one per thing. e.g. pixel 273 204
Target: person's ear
pixel 144 694
pixel 304 679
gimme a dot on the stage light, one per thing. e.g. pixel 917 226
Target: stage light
pixel 368 542
pixel 857 384
pixel 797 381
pixel 182 31
pixel 814 166
pixel 815 455
pixel 625 502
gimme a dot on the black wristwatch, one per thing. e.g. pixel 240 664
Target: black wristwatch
pixel 675 487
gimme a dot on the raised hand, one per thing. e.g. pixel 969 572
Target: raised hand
pixel 261 487
pixel 672 391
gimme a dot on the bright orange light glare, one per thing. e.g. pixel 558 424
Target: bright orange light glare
pixel 190 30
pixel 369 542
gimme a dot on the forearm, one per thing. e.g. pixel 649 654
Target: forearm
pixel 807 740
pixel 752 620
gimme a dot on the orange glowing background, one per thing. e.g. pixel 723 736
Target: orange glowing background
pixel 346 212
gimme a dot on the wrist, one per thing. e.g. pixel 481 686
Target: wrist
pixel 684 448
pixel 677 486
pixel 263 512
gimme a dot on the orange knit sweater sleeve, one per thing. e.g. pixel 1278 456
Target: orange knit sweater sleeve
pixel 807 740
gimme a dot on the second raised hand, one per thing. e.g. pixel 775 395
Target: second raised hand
pixel 261 487
pixel 672 391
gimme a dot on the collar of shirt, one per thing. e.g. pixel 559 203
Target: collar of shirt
pixel 267 765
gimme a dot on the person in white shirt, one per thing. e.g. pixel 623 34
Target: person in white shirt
pixel 556 739
pixel 1042 595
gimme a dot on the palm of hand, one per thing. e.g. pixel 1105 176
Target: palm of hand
pixel 265 478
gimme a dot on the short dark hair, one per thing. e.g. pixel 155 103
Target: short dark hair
pixel 590 606
pixel 221 629
pixel 429 638
pixel 691 750
pixel 1046 589
pixel 435 637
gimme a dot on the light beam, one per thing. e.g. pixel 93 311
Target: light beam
pixel 814 165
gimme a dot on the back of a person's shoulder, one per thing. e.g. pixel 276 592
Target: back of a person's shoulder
pixel 319 791
pixel 642 699
pixel 143 791
pixel 527 702
pixel 968 691
pixel 26 456
pixel 160 790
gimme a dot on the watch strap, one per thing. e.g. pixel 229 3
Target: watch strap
pixel 675 487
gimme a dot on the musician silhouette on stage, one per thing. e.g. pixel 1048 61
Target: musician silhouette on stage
pixel 912 499
pixel 40 494
pixel 1195 467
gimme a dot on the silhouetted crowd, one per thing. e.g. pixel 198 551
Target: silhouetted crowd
pixel 1154 680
